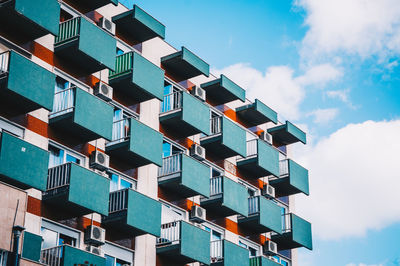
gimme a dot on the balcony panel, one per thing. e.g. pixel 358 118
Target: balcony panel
pixel 24 85
pixel 256 114
pixel 223 90
pixel 15 152
pixel 66 255
pixel 133 213
pixel 139 25
pixel 76 189
pixel 83 44
pixel 31 246
pixel 184 65
pixel 232 254
pixel 136 144
pixel 287 134
pixel 263 261
pixel 82 115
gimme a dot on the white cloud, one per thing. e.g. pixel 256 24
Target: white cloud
pixel 320 75
pixel 342 95
pixel 354 180
pixel 323 116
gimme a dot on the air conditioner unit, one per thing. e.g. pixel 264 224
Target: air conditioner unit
pixel 197 214
pixel 103 91
pixel 270 248
pixel 199 93
pixel 107 24
pixel 265 136
pixel 95 250
pixel 268 191
pixel 95 235
pixel 99 160
pixel 197 152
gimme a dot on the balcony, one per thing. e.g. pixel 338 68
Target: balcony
pixel 263 261
pixel 31 246
pixel 66 255
pixel 138 25
pixel 26 17
pixel 184 65
pixel 81 114
pixel 77 190
pixel 227 197
pixel 296 233
pixel 262 160
pixel 256 114
pixel 184 114
pixel 225 253
pixel 135 143
pixel 133 213
pixel 227 139
pixel 184 243
pixel 185 175
pixel 15 151
pixel 137 77
pixel 83 44
pixel 223 90
pixel 86 6
pixel 25 83
pixel 264 216
pixel 293 179
pixel 287 134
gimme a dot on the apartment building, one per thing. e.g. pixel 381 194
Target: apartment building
pixel 118 149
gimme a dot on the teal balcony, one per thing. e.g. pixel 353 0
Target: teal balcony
pixel 76 190
pixel 264 216
pixel 15 151
pixel 227 197
pixel 81 114
pixel 225 253
pixel 25 83
pixel 85 45
pixel 184 114
pixel 137 77
pixel 26 17
pixel 138 25
pixel 132 213
pixel 223 90
pixel 262 160
pixel 227 139
pixel 31 246
pixel 287 134
pixel 296 233
pixel 184 65
pixel 293 179
pixel 185 175
pixel 66 255
pixel 184 243
pixel 256 114
pixel 135 143
pixel 263 261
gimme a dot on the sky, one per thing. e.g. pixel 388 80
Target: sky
pixel 331 67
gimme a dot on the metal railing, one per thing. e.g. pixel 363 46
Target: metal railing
pixel 216 185
pixel 170 165
pixel 52 256
pixel 118 201
pixel 170 232
pixel 123 64
pixel 58 176
pixel 63 102
pixel 216 250
pixel 255 261
pixel 4 58
pixel 68 30
pixel 120 130
pixel 254 206
pixel 172 101
pixel 251 148
pixel 286 223
pixel 283 167
pixel 215 125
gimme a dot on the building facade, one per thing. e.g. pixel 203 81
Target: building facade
pixel 118 149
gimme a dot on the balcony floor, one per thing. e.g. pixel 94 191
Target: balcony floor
pixel 173 183
pixel 214 145
pixel 216 206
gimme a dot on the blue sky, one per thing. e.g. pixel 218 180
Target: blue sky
pixel 330 66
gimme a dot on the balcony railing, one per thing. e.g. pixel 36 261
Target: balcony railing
pixel 4 57
pixel 52 256
pixel 63 102
pixel 251 148
pixel 123 64
pixel 216 250
pixel 216 185
pixel 283 167
pixel 170 233
pixel 68 30
pixel 215 125
pixel 170 165
pixel 118 201
pixel 286 224
pixel 58 176
pixel 254 205
pixel 120 131
pixel 172 101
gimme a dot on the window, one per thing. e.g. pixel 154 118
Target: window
pixel 170 214
pixel 252 247
pixel 63 97
pixel 120 125
pixel 214 234
pixel 60 156
pixel 282 261
pixel 119 182
pixel 53 237
pixel 119 51
pixel 111 261
pixel 169 149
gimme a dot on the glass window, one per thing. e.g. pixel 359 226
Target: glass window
pixel 170 214
pixel 50 238
pixel 167 151
pixel 119 51
pixel 253 250
pixel 59 156
pixel 214 235
pixel 117 182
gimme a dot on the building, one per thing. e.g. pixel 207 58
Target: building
pixel 118 149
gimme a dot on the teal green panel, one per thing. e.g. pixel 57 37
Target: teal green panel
pixel 301 231
pixel 233 136
pixel 268 157
pixel 32 246
pixel 235 89
pixel 195 175
pixel 144 213
pixel 23 162
pixel 33 10
pixel 267 262
pixel 196 113
pixel 97 44
pixel 31 81
pixel 74 256
pixel 93 114
pixel 195 61
pixel 298 177
pixel 148 76
pixel 235 255
pixel 297 132
pixel 235 196
pixel 146 142
pixel 265 110
pixel 195 243
pixel 270 215
pixel 149 21
pixel 88 189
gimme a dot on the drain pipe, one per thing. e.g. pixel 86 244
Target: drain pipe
pixel 17 230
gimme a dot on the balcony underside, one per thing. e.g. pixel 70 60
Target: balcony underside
pixel 216 205
pixel 214 145
pixel 117 223
pixel 253 223
pixel 219 95
pixel 173 182
pixel 252 168
pixel 283 187
pixel 90 5
pixel 252 117
pixel 173 120
pixel 283 137
pixel 285 241
pixel 180 69
pixel 173 253
pixel 122 151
